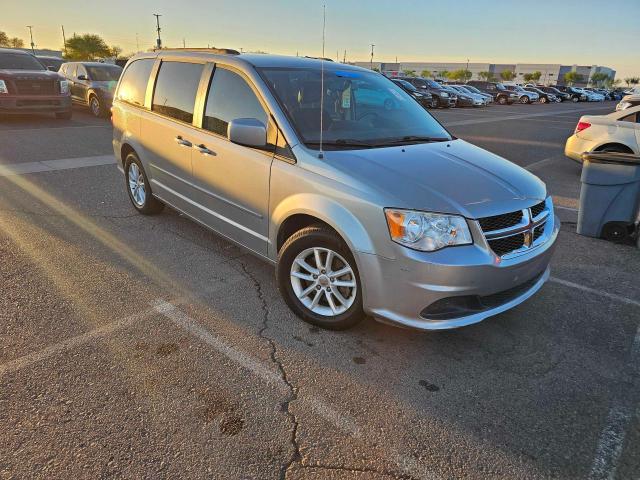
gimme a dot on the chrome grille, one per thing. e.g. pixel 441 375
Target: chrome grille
pixel 515 232
pixel 35 87
pixel 498 222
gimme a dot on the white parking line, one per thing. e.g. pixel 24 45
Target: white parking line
pixel 612 296
pixel 70 343
pixel 53 165
pixel 540 163
pixel 518 117
pixel 610 444
pixel 342 422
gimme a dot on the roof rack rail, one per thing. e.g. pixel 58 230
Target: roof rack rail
pixel 319 58
pixel 220 51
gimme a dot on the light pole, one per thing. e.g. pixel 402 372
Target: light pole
pixel 372 45
pixel 30 27
pixel 64 41
pixel 159 40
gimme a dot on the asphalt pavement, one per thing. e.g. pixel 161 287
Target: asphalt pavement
pixel 149 347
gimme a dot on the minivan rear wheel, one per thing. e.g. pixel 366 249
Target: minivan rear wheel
pixel 318 279
pixel 138 187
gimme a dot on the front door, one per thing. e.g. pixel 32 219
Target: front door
pixel 232 181
pixel 79 87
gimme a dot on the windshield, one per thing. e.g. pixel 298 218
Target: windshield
pixel 473 89
pixel 500 86
pixel 51 62
pixel 432 83
pixel 359 110
pixel 406 85
pixel 107 73
pixel 17 61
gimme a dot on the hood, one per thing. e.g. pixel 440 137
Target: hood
pixel 448 177
pixel 30 74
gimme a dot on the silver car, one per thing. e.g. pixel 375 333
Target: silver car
pixel 365 204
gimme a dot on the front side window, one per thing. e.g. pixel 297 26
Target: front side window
pixel 359 110
pixel 106 73
pixel 133 86
pixel 81 71
pixel 19 61
pixel 176 90
pixel 230 98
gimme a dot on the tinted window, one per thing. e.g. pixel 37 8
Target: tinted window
pixel 106 73
pixel 176 90
pixel 81 71
pixel 230 97
pixel 18 61
pixel 133 86
pixel 630 118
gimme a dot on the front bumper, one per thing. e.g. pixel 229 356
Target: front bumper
pixel 397 290
pixel 34 103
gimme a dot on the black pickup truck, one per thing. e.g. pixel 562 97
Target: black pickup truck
pixel 26 86
pixel 426 85
pixel 498 91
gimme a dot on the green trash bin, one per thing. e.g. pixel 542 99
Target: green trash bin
pixel 609 195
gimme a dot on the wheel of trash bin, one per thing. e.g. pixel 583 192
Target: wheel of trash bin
pixel 615 231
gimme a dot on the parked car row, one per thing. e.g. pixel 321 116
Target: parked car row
pixel 31 84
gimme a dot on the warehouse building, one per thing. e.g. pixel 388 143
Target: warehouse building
pixel 551 73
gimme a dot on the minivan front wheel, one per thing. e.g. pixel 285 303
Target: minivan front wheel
pixel 138 187
pixel 318 278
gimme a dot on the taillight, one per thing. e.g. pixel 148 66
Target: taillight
pixel 582 126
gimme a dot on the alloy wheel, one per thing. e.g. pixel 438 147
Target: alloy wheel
pixel 323 281
pixel 136 185
pixel 95 106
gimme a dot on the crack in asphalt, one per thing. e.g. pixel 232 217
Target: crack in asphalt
pixel 340 468
pixel 293 391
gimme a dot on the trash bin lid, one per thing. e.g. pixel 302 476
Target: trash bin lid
pixel 611 157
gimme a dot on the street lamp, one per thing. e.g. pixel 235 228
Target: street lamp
pixel 30 27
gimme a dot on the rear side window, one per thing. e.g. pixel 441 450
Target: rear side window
pixel 133 85
pixel 230 98
pixel 176 90
pixel 633 118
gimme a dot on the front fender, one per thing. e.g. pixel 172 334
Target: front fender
pixel 325 209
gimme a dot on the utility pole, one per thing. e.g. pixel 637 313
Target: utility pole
pixel 372 45
pixel 344 59
pixel 137 43
pixel 184 44
pixel 64 41
pixel 159 40
pixel 30 27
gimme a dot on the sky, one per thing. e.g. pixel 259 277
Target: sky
pixel 569 32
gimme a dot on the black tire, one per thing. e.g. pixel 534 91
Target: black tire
pixel 434 102
pixel 151 205
pixel 544 99
pixel 64 115
pixel 525 99
pixel 317 236
pixel 96 106
pixel 502 100
pixel 575 99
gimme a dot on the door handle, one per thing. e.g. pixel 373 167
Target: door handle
pixel 181 141
pixel 204 150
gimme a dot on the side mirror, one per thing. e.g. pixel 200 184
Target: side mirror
pixel 82 77
pixel 249 132
pixel 51 68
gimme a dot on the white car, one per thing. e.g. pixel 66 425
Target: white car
pixel 615 132
pixel 628 101
pixel 591 96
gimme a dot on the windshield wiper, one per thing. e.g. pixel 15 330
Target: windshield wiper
pixel 413 139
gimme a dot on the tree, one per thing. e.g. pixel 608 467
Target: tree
pixel 507 75
pixel 461 75
pixel 528 77
pixel 572 77
pixel 87 47
pixel 11 42
pixel 488 76
pixel 425 73
pixel 115 51
pixel 632 81
pixel 409 73
pixel 443 74
pixel 376 69
pixel 598 79
pixel 535 76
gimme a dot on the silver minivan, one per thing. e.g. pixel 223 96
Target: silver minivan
pixel 362 200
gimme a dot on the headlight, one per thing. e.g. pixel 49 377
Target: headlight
pixel 427 231
pixel 3 87
pixel 64 87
